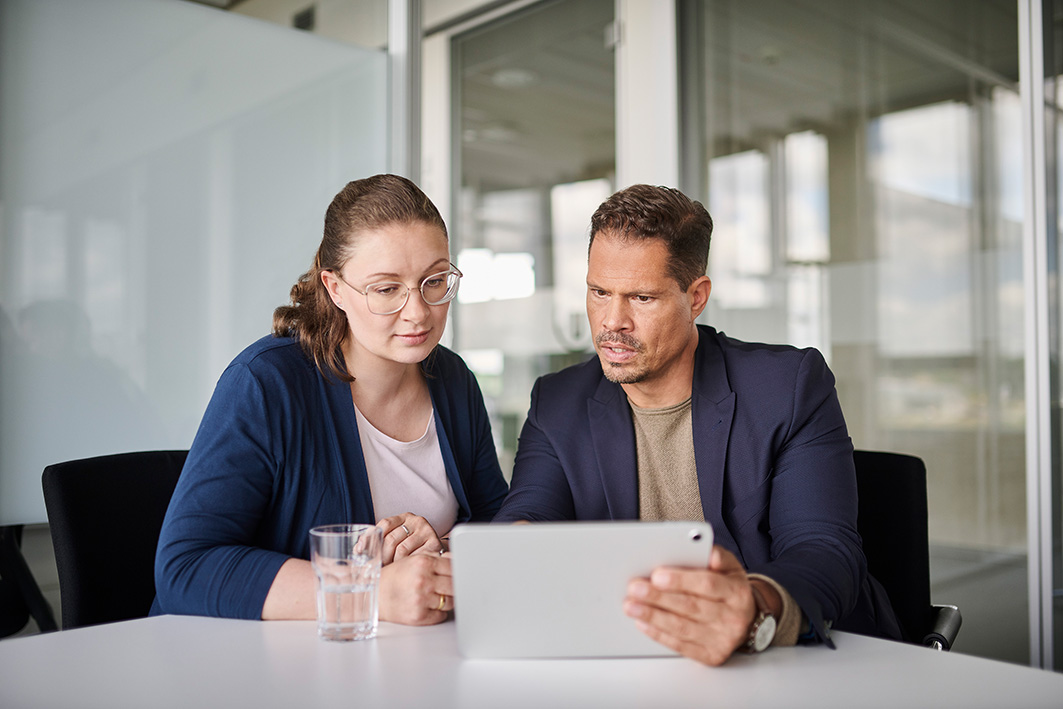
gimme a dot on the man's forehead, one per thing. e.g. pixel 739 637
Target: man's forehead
pixel 633 264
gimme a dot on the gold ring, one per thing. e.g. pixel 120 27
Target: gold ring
pixel 442 602
pixel 405 529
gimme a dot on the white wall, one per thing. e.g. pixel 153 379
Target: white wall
pixel 164 171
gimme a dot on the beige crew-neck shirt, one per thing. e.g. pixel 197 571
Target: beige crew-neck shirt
pixel 668 475
pixel 668 487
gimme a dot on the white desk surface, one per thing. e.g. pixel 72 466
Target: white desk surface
pixel 173 661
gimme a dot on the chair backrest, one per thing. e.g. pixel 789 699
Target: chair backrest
pixel 893 524
pixel 105 514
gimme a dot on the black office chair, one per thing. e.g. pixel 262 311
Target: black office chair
pixel 105 514
pixel 893 523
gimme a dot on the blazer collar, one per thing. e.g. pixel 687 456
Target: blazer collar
pixel 712 410
pixel 713 406
pixel 613 438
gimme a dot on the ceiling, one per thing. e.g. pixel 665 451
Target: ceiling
pixel 537 91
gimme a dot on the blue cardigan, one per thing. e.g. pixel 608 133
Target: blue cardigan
pixel 277 453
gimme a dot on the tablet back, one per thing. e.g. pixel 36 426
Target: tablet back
pixel 556 589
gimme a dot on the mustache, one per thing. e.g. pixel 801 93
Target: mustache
pixel 604 339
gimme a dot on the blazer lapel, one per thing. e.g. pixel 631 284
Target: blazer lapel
pixel 712 409
pixel 613 438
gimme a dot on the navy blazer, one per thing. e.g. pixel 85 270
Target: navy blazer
pixel 774 464
pixel 277 453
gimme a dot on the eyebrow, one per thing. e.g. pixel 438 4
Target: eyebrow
pixel 654 293
pixel 427 272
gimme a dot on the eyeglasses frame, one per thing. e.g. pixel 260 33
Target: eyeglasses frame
pixel 420 288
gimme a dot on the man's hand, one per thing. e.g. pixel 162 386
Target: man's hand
pixel 704 614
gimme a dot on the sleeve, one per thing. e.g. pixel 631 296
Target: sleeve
pixel 789 620
pixel 206 563
pixel 539 491
pixel 816 553
pixel 486 485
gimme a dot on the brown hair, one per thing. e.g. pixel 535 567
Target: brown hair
pixel 665 213
pixel 362 205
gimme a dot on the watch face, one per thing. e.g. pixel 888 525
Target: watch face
pixel 765 633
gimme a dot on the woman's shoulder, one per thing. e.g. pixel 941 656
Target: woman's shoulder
pixel 272 355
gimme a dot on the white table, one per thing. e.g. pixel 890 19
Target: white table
pixel 173 661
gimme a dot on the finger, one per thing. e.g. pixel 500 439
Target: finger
pixel 388 524
pixel 444 585
pixel 723 561
pixel 443 603
pixel 677 626
pixel 688 605
pixel 421 540
pixel 714 585
pixel 708 655
pixel 391 543
pixel 400 534
pixel 430 576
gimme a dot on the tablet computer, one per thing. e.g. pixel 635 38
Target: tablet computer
pixel 556 589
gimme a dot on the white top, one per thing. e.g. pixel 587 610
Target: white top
pixel 408 476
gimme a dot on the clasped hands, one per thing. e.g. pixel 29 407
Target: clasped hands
pixel 415 582
pixel 704 614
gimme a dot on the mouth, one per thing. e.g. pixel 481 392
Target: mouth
pixel 414 338
pixel 616 353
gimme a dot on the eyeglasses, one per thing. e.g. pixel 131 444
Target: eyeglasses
pixel 388 298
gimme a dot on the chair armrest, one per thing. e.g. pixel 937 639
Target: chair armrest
pixel 946 625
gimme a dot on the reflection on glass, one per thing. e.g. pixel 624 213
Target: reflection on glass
pixel 165 167
pixel 807 202
pixel 537 158
pixel 864 173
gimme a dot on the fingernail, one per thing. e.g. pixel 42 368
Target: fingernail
pixel 638 588
pixel 660 577
pixel 634 610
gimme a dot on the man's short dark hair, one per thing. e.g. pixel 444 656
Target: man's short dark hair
pixel 649 212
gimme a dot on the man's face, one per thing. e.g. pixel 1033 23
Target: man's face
pixel 641 320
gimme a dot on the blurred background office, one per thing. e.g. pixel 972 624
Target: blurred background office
pixel 884 177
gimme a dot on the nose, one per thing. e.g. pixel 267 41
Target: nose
pixel 616 315
pixel 415 309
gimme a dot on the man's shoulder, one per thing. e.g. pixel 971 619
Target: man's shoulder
pixel 760 362
pixel 745 351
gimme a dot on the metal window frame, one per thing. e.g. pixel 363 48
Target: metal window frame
pixel 1040 388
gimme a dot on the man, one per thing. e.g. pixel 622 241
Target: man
pixel 677 421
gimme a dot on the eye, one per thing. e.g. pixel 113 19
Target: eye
pixel 385 289
pixel 598 292
pixel 433 283
pixel 643 298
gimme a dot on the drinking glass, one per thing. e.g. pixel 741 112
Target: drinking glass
pixel 346 560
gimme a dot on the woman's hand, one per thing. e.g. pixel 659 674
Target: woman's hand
pixel 406 533
pixel 417 590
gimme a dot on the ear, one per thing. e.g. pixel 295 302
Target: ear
pixel 699 296
pixel 332 287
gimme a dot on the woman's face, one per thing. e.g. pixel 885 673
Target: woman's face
pixel 394 253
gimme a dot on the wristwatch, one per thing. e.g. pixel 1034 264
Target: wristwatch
pixel 762 632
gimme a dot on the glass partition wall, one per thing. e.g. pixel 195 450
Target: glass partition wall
pixel 1045 99
pixel 535 121
pixel 863 162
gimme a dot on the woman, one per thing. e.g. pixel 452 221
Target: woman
pixel 349 412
